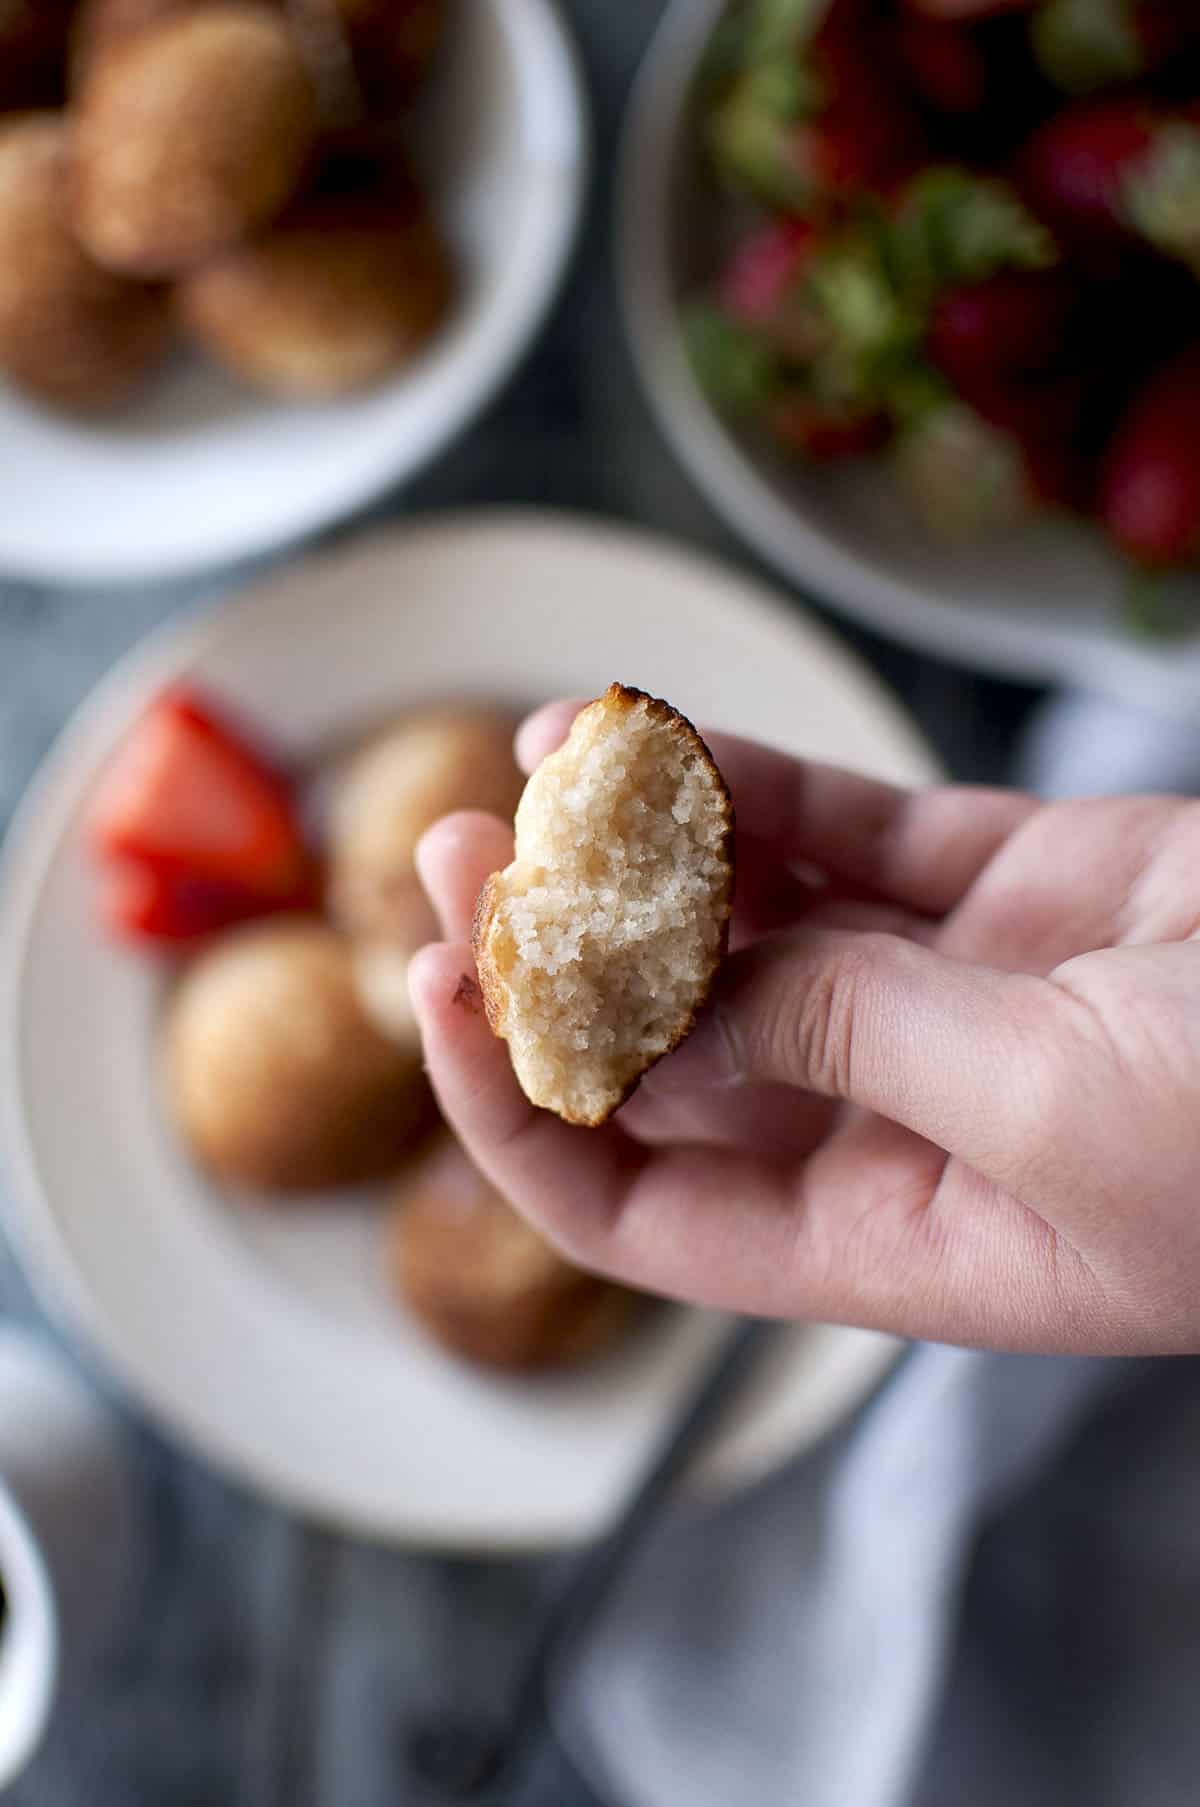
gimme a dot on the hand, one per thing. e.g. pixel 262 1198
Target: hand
pixel 948 1085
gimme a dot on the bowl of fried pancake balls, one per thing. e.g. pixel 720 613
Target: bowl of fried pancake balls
pixel 283 908
pixel 267 253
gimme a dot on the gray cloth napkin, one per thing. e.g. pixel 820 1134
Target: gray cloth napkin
pixel 806 1644
pixel 792 1647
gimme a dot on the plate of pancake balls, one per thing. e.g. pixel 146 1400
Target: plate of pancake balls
pixel 230 1178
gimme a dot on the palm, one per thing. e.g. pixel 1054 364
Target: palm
pixel 1018 1027
pixel 1105 900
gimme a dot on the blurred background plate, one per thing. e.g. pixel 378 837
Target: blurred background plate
pixel 1041 603
pixel 266 1339
pixel 199 472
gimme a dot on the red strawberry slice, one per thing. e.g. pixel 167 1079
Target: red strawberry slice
pixel 139 904
pixel 186 795
pixel 1017 321
pixel 867 136
pixel 1045 419
pixel 764 267
pixel 945 65
pixel 1075 169
pixel 966 11
pixel 826 432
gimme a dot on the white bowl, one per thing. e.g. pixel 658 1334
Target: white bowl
pixel 267 1338
pixel 1041 603
pixel 200 471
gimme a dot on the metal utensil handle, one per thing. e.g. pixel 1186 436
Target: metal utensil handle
pixel 597 1568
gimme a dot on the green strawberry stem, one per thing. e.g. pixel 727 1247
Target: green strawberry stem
pixel 1162 194
pixel 1151 611
pixel 1081 45
pixel 955 227
pixel 735 367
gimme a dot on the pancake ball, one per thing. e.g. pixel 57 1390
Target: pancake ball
pixel 336 296
pixel 33 39
pixel 484 1283
pixel 100 24
pixel 397 785
pixel 388 793
pixel 71 333
pixel 190 134
pixel 275 1076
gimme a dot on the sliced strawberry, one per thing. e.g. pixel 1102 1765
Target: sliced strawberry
pixel 1045 418
pixel 1017 321
pixel 945 65
pixel 966 11
pixel 1074 170
pixel 866 135
pixel 824 431
pixel 1150 494
pixel 812 118
pixel 765 265
pixel 186 795
pixel 139 904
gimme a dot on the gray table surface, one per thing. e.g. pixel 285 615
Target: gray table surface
pixel 269 1662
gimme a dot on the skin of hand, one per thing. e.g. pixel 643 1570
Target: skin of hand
pixel 948 1084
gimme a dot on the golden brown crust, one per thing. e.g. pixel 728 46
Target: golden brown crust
pixel 490 983
pixel 621 699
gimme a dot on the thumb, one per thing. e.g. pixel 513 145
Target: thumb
pixel 984 1063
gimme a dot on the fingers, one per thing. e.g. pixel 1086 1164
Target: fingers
pixel 965 1056
pixel 529 1154
pixel 918 849
pixel 544 730
pixel 584 1187
pixel 454 857
pixel 776 1121
pixel 834 1238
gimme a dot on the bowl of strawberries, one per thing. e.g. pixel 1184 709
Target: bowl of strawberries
pixel 914 290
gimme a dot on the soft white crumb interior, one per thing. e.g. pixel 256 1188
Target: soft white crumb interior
pixel 611 917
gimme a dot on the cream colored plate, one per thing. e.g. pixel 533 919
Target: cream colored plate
pixel 266 1341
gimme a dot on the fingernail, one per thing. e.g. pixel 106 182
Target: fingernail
pixel 709 1060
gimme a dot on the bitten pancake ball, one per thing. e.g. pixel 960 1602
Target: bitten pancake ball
pixel 599 944
pixel 484 1283
pixel 71 333
pixel 273 1072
